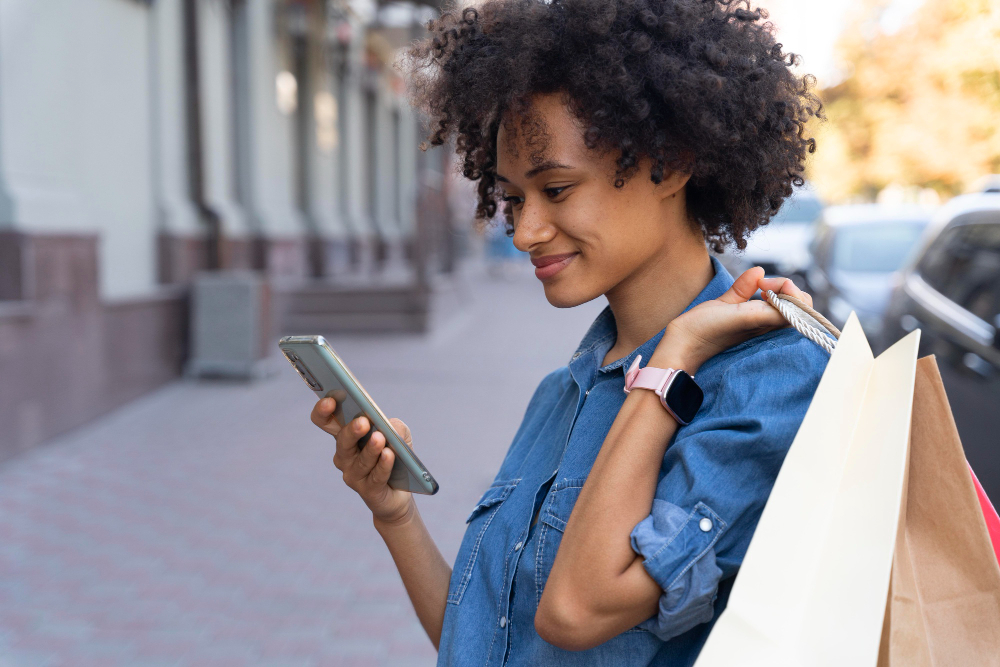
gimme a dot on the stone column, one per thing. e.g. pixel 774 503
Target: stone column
pixel 384 204
pixel 244 140
pixel 180 236
pixel 218 130
pixel 409 140
pixel 356 152
pixel 271 102
pixel 321 148
pixel 332 171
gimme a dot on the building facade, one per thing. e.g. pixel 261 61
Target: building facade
pixel 144 141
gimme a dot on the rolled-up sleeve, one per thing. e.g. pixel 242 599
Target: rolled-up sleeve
pixel 717 475
pixel 678 550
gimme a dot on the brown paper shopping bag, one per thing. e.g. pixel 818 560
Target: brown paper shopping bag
pixel 943 606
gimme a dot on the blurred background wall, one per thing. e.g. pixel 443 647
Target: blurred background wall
pixel 142 142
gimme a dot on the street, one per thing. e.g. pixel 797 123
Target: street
pixel 204 524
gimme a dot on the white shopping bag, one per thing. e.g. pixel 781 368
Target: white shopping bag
pixel 812 588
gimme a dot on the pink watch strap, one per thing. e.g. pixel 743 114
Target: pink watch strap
pixel 647 378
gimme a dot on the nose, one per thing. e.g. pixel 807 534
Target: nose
pixel 532 227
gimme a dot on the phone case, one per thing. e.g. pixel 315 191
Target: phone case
pixel 327 375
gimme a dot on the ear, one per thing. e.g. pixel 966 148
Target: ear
pixel 672 183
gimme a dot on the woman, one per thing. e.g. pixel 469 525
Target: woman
pixel 624 137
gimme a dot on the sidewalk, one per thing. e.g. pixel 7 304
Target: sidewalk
pixel 206 525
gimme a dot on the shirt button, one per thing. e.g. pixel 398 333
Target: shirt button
pixel 705 524
pixel 576 355
pixel 503 621
pixel 517 547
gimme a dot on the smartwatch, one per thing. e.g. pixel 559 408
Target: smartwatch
pixel 679 394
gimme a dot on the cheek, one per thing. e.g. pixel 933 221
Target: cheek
pixel 615 232
pixel 614 241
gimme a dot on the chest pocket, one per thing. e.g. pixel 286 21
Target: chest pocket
pixel 478 522
pixel 552 520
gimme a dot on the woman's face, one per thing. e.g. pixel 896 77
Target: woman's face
pixel 584 236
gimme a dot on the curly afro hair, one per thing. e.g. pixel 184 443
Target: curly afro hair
pixel 698 86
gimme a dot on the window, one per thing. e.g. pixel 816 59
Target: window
pixel 964 265
pixel 798 208
pixel 875 247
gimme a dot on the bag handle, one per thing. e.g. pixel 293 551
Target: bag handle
pixel 810 323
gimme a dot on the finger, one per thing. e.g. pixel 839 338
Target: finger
pixel 759 316
pixel 383 468
pixel 791 289
pixel 322 415
pixel 347 439
pixel 743 287
pixel 402 430
pixel 784 286
pixel 369 455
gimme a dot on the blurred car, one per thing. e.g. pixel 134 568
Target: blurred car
pixel 857 252
pixel 951 291
pixel 781 246
pixel 988 183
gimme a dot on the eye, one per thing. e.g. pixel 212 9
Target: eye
pixel 554 192
pixel 514 200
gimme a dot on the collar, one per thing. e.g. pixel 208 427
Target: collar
pixel 602 333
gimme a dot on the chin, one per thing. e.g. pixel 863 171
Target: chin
pixel 567 295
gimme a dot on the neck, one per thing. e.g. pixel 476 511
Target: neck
pixel 645 302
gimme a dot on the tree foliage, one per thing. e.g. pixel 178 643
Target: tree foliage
pixel 920 106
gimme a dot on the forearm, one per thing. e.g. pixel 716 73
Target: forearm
pixel 597 577
pixel 423 569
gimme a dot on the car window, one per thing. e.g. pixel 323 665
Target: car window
pixel 820 246
pixel 798 209
pixel 875 247
pixel 964 265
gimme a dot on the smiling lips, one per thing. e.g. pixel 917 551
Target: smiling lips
pixel 550 265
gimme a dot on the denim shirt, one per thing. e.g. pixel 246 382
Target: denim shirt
pixel 716 475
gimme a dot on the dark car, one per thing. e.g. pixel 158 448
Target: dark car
pixel 857 253
pixel 951 290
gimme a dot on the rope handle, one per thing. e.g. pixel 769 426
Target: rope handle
pixel 807 321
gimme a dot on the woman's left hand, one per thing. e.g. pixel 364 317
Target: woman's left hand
pixel 714 326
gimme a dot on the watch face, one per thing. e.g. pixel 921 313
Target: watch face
pixel 684 397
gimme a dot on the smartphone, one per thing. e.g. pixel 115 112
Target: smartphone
pixel 316 362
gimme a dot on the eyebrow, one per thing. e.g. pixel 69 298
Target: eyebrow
pixel 545 166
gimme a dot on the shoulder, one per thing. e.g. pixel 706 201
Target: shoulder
pixel 762 388
pixel 552 386
pixel 785 342
pixel 780 365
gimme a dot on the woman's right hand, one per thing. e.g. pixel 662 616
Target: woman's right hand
pixel 366 470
